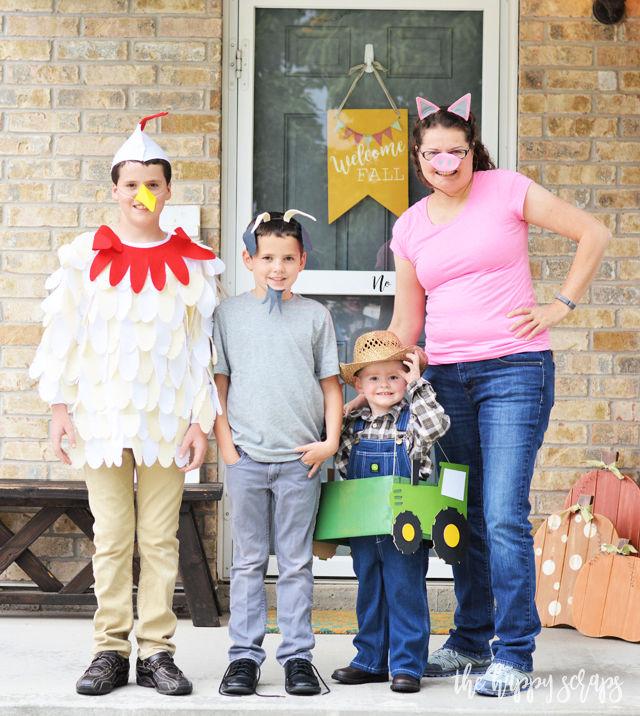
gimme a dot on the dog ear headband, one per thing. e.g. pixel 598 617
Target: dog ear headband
pixel 249 236
pixel 461 107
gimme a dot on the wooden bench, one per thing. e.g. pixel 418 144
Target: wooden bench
pixel 52 500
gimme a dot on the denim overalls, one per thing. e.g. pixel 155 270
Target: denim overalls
pixel 392 609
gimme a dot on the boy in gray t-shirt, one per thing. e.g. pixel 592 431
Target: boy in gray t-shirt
pixel 277 380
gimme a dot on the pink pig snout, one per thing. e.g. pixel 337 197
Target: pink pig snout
pixel 445 162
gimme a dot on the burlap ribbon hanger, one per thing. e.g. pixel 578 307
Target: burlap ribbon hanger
pixel 368 66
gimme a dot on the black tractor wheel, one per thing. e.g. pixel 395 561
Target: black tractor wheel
pixel 407 532
pixel 450 535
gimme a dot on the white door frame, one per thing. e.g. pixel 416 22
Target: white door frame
pixel 499 113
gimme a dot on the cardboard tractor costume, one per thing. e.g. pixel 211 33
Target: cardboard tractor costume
pixel 403 507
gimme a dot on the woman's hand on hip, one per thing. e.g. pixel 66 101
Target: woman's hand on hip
pixel 535 319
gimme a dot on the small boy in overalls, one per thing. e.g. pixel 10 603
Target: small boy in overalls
pixel 400 422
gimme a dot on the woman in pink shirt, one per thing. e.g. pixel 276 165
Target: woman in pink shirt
pixel 464 249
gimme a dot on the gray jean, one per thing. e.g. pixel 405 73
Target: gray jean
pixel 254 488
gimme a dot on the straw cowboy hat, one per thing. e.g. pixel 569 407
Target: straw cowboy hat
pixel 375 347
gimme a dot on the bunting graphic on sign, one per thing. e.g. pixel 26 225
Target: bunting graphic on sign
pixel 367 138
pixel 367 156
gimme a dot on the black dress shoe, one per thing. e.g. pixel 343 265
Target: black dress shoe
pixel 405 684
pixel 240 678
pixel 351 675
pixel 160 673
pixel 299 678
pixel 107 671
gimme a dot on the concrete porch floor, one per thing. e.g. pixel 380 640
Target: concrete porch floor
pixel 41 658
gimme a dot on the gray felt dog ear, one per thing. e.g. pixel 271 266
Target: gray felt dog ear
pixel 250 243
pixel 249 236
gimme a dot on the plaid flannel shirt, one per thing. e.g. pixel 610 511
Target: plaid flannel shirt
pixel 427 422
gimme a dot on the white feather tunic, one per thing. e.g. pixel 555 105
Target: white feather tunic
pixel 135 369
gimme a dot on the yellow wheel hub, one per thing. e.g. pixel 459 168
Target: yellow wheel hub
pixel 408 532
pixel 451 535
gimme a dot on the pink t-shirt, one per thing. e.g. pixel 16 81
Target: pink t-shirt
pixel 474 269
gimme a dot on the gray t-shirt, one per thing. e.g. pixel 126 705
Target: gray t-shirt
pixel 275 362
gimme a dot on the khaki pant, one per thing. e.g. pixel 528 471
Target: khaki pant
pixel 111 498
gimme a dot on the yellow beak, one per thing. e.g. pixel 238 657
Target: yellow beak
pixel 146 198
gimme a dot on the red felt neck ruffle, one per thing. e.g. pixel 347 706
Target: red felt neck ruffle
pixel 142 261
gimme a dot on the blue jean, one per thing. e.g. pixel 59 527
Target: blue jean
pixel 392 608
pixel 253 488
pixel 499 411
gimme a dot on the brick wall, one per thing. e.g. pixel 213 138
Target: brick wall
pixel 579 136
pixel 76 77
pixel 75 82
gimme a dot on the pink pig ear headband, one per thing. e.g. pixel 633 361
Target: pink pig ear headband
pixel 443 161
pixel 461 107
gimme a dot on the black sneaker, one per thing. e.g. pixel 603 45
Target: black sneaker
pixel 160 673
pixel 240 678
pixel 107 671
pixel 300 679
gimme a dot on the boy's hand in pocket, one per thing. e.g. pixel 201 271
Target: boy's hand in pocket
pixel 314 454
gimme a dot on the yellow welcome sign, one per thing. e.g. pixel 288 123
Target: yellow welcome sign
pixel 367 156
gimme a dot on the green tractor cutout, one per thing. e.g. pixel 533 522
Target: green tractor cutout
pixel 403 507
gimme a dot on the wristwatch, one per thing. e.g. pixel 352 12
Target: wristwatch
pixel 565 300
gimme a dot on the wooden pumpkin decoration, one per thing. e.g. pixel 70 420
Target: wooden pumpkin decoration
pixel 616 496
pixel 606 598
pixel 564 542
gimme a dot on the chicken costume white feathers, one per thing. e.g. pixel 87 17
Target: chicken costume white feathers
pixel 127 343
pixel 134 367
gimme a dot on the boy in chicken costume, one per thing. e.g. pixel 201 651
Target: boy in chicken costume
pixel 125 362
